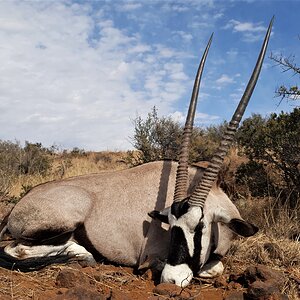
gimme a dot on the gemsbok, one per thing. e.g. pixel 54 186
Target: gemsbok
pixel 120 215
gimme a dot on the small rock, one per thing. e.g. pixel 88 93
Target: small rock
pixel 263 273
pixel 220 282
pixel 233 285
pixel 155 298
pixel 172 290
pixel 167 289
pixel 80 293
pixel 235 296
pixel 116 295
pixel 147 275
pixel 260 289
pixel 67 278
pixel 267 290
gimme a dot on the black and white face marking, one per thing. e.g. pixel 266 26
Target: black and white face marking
pixel 185 244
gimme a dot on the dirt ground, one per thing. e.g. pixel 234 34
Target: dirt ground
pixel 104 282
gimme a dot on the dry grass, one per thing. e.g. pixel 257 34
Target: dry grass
pixel 279 254
pixel 96 162
pixel 269 251
pixel 69 166
pixel 273 218
pixel 273 245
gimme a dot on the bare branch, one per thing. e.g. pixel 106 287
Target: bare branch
pixel 286 63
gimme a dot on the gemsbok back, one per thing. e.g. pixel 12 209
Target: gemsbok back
pixel 106 215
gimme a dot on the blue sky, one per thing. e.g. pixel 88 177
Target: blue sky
pixel 76 73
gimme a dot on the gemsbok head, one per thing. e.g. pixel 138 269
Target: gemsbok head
pixel 105 215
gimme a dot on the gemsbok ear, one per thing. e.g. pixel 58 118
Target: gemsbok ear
pixel 159 215
pixel 242 227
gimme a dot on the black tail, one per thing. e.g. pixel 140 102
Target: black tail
pixel 30 264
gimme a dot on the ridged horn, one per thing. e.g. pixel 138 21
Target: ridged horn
pixel 199 196
pixel 181 184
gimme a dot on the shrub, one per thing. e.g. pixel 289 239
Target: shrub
pixel 35 159
pixel 275 144
pixel 10 157
pixel 254 177
pixel 158 138
pixel 32 159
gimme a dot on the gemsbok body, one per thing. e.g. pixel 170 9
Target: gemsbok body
pixel 121 215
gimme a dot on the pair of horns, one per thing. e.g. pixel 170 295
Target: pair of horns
pixel 210 175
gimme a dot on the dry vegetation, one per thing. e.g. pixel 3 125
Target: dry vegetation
pixel 70 165
pixel 276 245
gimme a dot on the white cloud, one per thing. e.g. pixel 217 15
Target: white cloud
pixel 184 5
pixel 63 84
pixel 232 54
pixel 178 116
pixel 131 6
pixel 176 71
pixel 245 26
pixel 252 32
pixel 200 118
pixel 225 79
pixel 205 118
pixel 77 74
pixel 187 37
pixel 165 52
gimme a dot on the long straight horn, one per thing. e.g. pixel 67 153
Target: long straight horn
pixel 199 196
pixel 181 184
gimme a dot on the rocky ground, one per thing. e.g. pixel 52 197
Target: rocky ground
pixel 105 282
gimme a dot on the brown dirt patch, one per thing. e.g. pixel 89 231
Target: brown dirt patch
pixel 100 282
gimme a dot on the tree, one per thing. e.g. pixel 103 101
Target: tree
pixel 287 64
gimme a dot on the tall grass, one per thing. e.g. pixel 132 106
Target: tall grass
pixel 65 165
pixel 277 244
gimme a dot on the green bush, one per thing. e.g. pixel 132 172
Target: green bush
pixel 274 143
pixel 205 142
pixel 10 157
pixel 35 159
pixel 254 177
pixel 158 138
pixel 16 160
